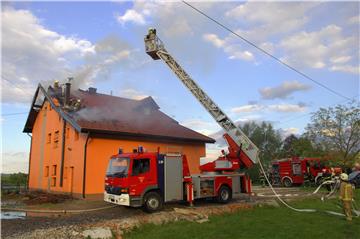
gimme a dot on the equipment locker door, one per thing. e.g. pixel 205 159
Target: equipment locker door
pixel 173 178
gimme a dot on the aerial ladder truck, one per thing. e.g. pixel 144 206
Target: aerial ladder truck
pixel 149 179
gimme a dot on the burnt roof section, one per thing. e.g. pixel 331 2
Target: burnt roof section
pixel 117 116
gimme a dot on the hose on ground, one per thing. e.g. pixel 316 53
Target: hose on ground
pixel 57 211
pixel 357 213
pixel 277 195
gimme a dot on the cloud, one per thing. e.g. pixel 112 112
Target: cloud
pixel 287 108
pixel 204 127
pixel 214 39
pixel 283 91
pixel 158 14
pixel 354 20
pixel 233 50
pixel 272 17
pixel 288 131
pixel 131 16
pixel 14 162
pixel 31 52
pixel 247 108
pixel 180 28
pixel 133 94
pixel 340 59
pixel 346 69
pixel 265 23
pixel 327 48
pixel 282 108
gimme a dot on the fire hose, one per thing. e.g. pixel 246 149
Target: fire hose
pixel 56 211
pixel 303 209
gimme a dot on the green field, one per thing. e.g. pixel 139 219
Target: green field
pixel 262 222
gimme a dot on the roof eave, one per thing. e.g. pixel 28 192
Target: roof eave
pixel 138 135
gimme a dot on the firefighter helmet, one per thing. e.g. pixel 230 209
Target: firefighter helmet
pixel 344 177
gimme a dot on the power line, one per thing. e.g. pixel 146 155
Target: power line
pixel 265 52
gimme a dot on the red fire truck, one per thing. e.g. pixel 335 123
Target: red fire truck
pixel 150 179
pixel 295 170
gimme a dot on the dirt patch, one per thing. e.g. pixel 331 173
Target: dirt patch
pixel 35 198
pixel 129 222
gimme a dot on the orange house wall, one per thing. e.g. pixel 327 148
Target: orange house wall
pixel 98 153
pixel 45 154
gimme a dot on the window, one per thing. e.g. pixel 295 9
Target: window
pixel 296 167
pixel 56 139
pixel 76 135
pixel 140 166
pixel 53 181
pixel 46 173
pixel 49 138
pixel 53 171
pixel 67 132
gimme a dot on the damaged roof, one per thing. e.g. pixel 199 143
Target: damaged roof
pixel 115 116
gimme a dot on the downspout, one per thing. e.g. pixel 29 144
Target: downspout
pixel 84 173
pixel 28 179
pixel 62 154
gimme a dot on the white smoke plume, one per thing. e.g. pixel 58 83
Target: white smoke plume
pixel 110 53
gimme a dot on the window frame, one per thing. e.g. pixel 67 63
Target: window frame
pixel 141 167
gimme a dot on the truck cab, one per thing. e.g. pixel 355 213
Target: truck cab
pixel 145 179
pixel 129 176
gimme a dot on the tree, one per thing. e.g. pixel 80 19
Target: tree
pixel 288 146
pixel 301 147
pixel 266 139
pixel 337 131
pixel 15 179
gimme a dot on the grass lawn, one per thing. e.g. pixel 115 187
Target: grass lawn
pixel 262 222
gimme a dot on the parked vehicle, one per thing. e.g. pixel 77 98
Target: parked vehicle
pixel 295 171
pixel 354 178
pixel 150 179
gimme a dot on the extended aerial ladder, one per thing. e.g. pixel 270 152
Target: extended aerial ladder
pixel 240 146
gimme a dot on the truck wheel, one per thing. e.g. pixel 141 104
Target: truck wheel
pixel 224 194
pixel 152 202
pixel 287 182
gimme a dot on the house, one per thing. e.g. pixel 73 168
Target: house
pixel 75 132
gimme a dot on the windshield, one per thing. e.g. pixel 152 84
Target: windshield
pixel 118 167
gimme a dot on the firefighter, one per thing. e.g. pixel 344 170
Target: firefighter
pixel 262 178
pixel 346 195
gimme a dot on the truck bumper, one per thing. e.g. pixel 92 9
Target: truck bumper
pixel 123 199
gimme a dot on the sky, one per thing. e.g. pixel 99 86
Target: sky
pixel 101 45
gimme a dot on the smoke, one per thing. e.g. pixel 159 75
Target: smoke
pixel 132 111
pixel 93 114
pixel 111 53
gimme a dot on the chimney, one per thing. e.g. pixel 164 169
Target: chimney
pixel 92 90
pixel 67 94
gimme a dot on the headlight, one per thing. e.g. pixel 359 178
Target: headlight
pixel 124 190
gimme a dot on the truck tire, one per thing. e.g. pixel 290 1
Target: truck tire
pixel 224 194
pixel 152 202
pixel 287 182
